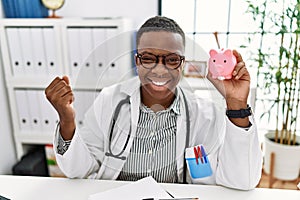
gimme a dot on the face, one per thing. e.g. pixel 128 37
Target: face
pixel 159 82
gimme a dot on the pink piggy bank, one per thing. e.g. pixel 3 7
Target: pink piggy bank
pixel 221 63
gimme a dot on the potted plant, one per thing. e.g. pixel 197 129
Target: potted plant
pixel 278 82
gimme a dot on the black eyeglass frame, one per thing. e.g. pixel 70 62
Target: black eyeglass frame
pixel 139 56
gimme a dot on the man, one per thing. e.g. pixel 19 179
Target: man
pixel 148 125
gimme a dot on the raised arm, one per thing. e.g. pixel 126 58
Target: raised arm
pixel 236 89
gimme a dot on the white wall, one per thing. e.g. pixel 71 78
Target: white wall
pixel 7 149
pixel 137 10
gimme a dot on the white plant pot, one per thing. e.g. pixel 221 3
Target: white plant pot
pixel 287 158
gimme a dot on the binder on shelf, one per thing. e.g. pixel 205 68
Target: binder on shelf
pixel 50 51
pixel 83 101
pixel 38 50
pixel 23 110
pixel 35 9
pixel 73 35
pixel 87 55
pixel 113 53
pixel 126 55
pixel 8 8
pixel 21 8
pixel 35 110
pixel 24 9
pixel 16 56
pixel 26 49
pixel 100 53
pixel 79 103
pixel 49 117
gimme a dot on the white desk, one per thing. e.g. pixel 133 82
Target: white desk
pixel 44 188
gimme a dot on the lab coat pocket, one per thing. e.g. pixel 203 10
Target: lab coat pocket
pixel 197 162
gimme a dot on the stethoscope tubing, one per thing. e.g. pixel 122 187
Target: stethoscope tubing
pixel 114 119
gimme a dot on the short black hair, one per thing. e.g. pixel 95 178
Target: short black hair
pixel 159 23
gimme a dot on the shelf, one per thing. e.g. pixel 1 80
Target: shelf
pixel 35 51
pixel 36 137
pixel 29 82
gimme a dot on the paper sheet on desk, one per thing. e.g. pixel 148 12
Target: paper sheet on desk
pixel 144 188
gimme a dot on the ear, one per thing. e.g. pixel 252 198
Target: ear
pixel 228 52
pixel 212 52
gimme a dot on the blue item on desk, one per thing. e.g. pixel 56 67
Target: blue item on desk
pixel 200 165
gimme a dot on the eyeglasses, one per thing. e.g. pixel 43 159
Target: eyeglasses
pixel 171 61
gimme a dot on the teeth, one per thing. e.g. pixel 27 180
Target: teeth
pixel 159 83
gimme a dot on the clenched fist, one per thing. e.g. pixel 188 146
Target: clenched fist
pixel 60 95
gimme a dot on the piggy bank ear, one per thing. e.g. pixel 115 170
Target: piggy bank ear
pixel 212 52
pixel 228 52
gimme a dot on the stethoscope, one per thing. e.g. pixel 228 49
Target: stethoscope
pixel 115 117
pixel 113 122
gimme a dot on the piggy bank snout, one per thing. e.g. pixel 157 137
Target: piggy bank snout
pixel 219 66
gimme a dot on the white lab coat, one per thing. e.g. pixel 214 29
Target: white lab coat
pixel 234 153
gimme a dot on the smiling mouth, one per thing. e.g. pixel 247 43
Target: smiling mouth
pixel 158 83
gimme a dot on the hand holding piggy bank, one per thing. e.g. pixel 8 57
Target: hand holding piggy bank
pixel 221 63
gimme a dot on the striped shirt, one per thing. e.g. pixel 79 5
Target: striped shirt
pixel 153 152
pixel 154 147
